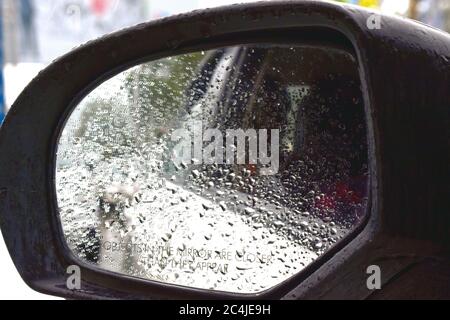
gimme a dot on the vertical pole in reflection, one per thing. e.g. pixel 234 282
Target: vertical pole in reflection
pixel 2 95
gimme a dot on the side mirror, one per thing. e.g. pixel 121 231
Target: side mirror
pixel 226 153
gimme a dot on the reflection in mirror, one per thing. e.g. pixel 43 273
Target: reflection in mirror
pixel 227 170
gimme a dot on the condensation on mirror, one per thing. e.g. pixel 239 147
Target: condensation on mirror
pixel 228 170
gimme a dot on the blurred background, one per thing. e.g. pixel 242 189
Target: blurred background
pixel 35 32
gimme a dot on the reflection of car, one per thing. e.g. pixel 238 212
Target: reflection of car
pixel 319 115
pixel 405 237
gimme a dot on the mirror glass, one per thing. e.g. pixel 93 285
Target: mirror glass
pixel 231 169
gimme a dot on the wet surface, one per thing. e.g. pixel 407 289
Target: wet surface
pixel 127 207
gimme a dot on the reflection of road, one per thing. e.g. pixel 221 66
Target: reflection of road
pixel 182 233
pixel 188 240
pixel 211 238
